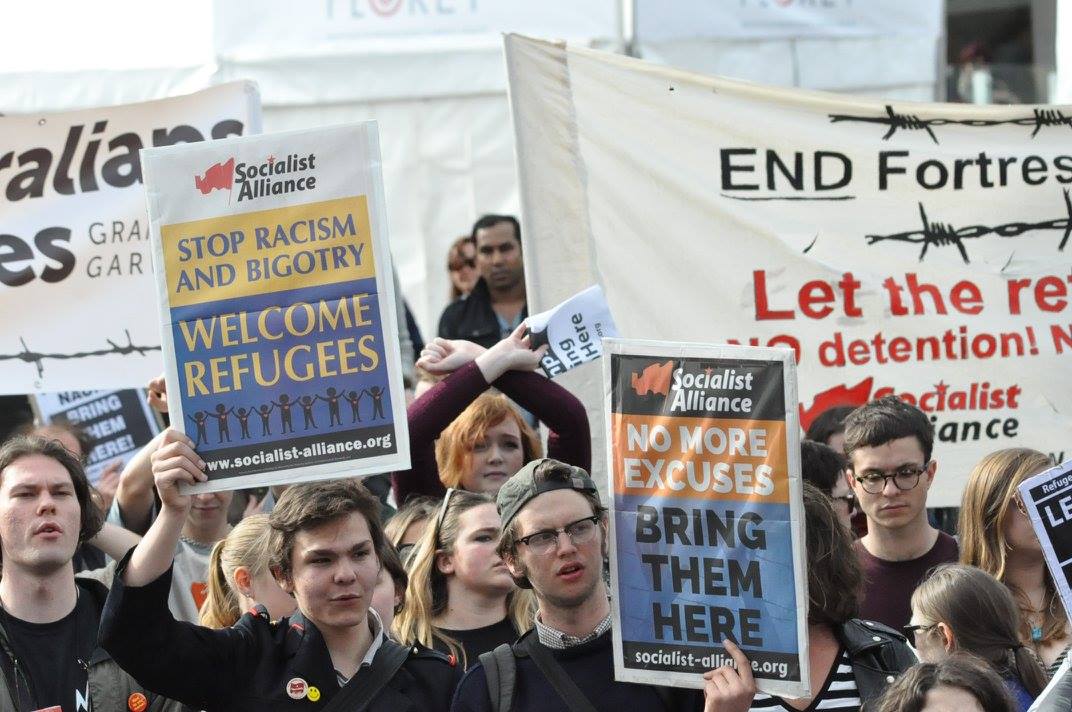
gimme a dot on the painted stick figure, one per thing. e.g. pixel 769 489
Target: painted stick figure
pixel 353 398
pixel 332 399
pixel 200 418
pixel 307 403
pixel 222 416
pixel 377 401
pixel 284 405
pixel 243 421
pixel 264 412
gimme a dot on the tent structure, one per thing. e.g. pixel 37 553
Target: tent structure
pixel 431 73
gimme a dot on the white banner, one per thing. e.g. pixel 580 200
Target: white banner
pixel 273 28
pixel 909 249
pixel 76 286
pixel 277 307
pixel 743 19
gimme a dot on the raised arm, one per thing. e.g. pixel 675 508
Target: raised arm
pixel 134 496
pixel 173 463
pixel 570 439
pixel 188 663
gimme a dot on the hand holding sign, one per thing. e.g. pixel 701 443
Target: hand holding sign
pixel 158 394
pixel 730 689
pixel 175 463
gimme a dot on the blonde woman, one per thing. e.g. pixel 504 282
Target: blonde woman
pixel 461 599
pixel 239 577
pixel 404 529
pixel 996 536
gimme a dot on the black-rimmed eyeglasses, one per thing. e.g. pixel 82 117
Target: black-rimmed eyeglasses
pixel 579 532
pixel 904 478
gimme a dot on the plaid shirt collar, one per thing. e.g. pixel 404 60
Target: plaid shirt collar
pixel 557 640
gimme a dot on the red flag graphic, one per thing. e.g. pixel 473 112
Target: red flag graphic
pixel 219 176
pixel 653 379
pixel 838 395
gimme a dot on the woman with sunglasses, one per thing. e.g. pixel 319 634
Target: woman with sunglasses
pixel 824 467
pixel 461 266
pixel 962 608
pixel 482 440
pixel 461 599
pixel 996 536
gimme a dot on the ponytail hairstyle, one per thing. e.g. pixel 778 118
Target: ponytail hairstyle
pixel 983 618
pixel 426 593
pixel 454 449
pixel 989 497
pixel 248 545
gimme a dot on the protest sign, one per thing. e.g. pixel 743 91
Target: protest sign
pixel 117 423
pixel 573 331
pixel 916 250
pixel 277 305
pixel 76 280
pixel 707 521
pixel 1048 499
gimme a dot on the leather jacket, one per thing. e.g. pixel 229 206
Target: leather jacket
pixel 878 654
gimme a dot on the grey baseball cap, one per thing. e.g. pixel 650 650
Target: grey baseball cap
pixel 535 478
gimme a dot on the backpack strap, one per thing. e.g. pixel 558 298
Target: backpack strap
pixel 363 687
pixel 564 685
pixel 500 669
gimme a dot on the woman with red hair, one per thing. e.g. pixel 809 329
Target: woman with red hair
pixel 482 439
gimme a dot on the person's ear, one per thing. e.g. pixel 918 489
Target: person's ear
pixel 284 581
pixel 949 640
pixel 243 582
pixel 850 479
pixel 513 565
pixel 444 563
pixel 932 467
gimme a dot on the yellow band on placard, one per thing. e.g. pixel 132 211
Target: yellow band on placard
pixel 266 251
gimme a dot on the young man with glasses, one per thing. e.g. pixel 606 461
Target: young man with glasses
pixel 888 444
pixel 554 541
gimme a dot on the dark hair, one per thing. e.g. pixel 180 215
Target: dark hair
pixel 983 617
pixel 309 505
pixel 492 220
pixel 828 423
pixel 76 431
pixel 890 418
pixel 92 518
pixel 834 574
pixel 549 469
pixel 392 563
pixel 908 693
pixel 821 465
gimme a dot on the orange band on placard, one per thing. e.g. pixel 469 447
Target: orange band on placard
pixel 700 458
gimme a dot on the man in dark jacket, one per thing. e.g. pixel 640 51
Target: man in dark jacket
pixel 497 304
pixel 48 619
pixel 333 652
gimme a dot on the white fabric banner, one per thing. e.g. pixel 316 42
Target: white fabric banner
pixel 76 285
pixel 749 19
pixel 273 28
pixel 908 249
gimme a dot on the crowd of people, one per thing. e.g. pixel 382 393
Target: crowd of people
pixel 477 580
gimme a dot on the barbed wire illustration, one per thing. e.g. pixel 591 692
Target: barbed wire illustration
pixel 38 358
pixel 940 234
pixel 896 121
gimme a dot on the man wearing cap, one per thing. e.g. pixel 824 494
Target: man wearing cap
pixel 554 541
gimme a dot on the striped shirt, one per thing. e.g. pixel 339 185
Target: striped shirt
pixel 838 692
